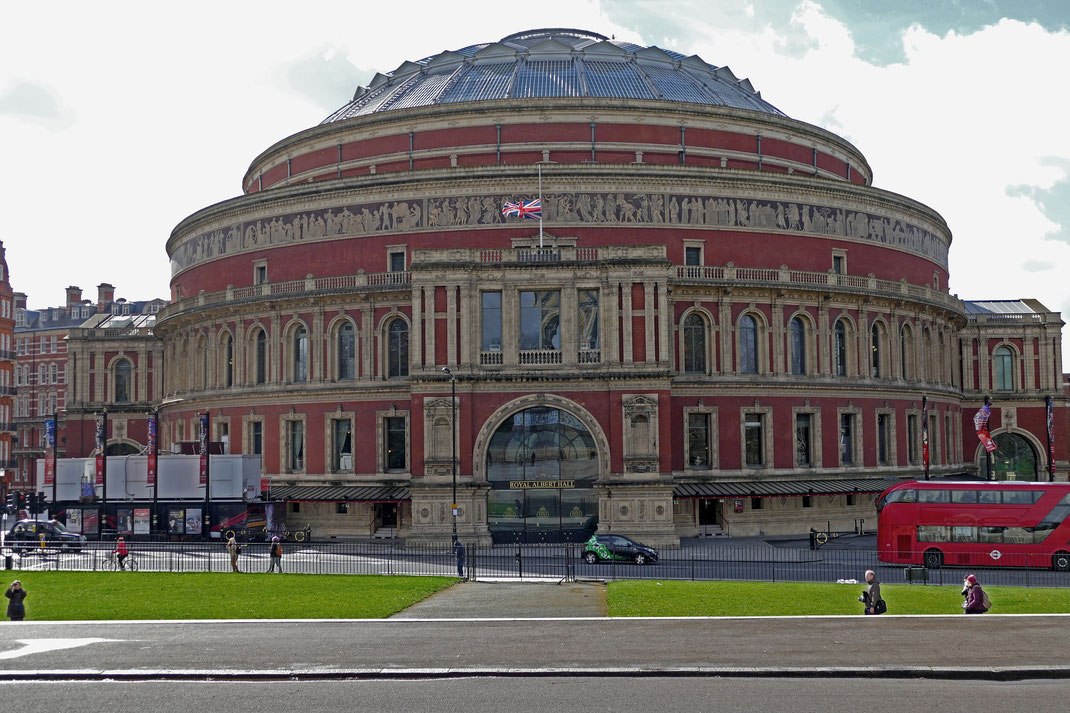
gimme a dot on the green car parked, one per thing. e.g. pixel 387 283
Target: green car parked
pixel 617 548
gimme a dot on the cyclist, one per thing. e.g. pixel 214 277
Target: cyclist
pixel 121 552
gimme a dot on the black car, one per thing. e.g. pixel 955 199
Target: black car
pixel 26 534
pixel 617 547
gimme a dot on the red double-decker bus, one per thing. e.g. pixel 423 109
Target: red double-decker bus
pixel 1001 524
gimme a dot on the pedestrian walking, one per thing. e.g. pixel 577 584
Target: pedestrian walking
pixel 16 610
pixel 234 549
pixel 976 601
pixel 121 552
pixel 458 549
pixel 871 596
pixel 276 555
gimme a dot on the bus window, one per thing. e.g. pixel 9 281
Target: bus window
pixel 1018 535
pixel 990 534
pixel 934 496
pixel 963 534
pixel 901 496
pixel 964 496
pixel 933 533
pixel 1018 497
pixel 988 497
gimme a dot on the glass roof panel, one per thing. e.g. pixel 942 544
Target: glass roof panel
pixel 481 81
pixel 616 79
pixel 675 85
pixel 553 78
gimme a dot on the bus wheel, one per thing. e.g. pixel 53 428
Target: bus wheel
pixel 1061 562
pixel 934 559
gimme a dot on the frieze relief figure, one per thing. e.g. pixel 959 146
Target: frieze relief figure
pixel 635 208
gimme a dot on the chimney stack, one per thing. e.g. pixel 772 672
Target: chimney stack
pixel 74 296
pixel 105 296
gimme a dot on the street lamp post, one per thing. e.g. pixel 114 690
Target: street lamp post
pixel 453 440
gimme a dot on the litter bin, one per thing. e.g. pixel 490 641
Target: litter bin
pixel 7 562
pixel 917 574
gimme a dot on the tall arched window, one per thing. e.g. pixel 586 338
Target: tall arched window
pixel 1014 459
pixel 694 344
pixel 123 372
pixel 798 346
pixel 1003 364
pixel 261 357
pixel 839 351
pixel 300 354
pixel 748 345
pixel 906 352
pixel 875 351
pixel 228 360
pixel 347 351
pixel 398 349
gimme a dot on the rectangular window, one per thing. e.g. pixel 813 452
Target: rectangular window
pixel 260 275
pixel 588 319
pixel 912 439
pixel 395 443
pixel 397 262
pixel 540 320
pixel 256 441
pixel 755 503
pixel 850 500
pixel 492 322
pixel 803 458
pixel 807 501
pixel 847 431
pixel 839 264
pixel 752 439
pixel 342 439
pixel 296 432
pixel 698 441
pixel 341 508
pixel 882 439
pixel 692 256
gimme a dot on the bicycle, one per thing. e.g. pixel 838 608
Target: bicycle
pixel 112 563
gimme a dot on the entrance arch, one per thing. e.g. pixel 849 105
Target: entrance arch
pixel 541 462
pixel 1015 458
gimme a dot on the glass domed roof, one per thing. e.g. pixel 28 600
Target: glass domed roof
pixel 553 63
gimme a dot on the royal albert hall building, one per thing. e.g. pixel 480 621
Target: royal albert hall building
pixel 722 326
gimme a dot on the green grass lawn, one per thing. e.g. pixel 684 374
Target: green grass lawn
pixel 172 595
pixel 673 598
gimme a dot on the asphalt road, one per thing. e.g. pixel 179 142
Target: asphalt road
pixel 712 562
pixel 525 695
pixel 594 645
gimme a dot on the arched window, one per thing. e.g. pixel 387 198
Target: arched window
pixel 748 345
pixel 398 349
pixel 906 352
pixel 300 354
pixel 875 351
pixel 926 355
pixel 839 351
pixel 228 360
pixel 202 345
pixel 347 351
pixel 261 357
pixel 1014 458
pixel 694 344
pixel 1003 364
pixel 798 346
pixel 123 373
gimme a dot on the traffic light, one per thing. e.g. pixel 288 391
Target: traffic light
pixel 11 503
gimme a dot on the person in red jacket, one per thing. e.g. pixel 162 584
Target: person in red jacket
pixel 121 552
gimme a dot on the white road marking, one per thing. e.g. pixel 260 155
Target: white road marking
pixel 39 646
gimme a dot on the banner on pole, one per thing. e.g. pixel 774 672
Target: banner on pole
pixel 101 438
pixel 980 424
pixel 1051 439
pixel 50 457
pixel 152 457
pixel 204 449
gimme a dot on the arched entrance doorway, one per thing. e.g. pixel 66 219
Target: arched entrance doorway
pixel 541 467
pixel 1013 459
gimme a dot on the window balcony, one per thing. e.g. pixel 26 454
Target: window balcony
pixel 539 357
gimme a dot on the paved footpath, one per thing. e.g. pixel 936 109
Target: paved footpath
pixel 484 629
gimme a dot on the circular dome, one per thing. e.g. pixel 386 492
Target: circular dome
pixel 553 63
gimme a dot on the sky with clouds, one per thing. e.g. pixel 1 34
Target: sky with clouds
pixel 118 119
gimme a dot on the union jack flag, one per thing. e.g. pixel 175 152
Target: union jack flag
pixel 523 209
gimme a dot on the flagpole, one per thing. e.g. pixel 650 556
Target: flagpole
pixel 988 453
pixel 539 164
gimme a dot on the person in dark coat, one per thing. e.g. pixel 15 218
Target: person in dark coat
pixel 974 603
pixel 276 555
pixel 871 597
pixel 458 549
pixel 16 610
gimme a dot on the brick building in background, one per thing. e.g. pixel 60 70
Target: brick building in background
pixel 8 465
pixel 722 326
